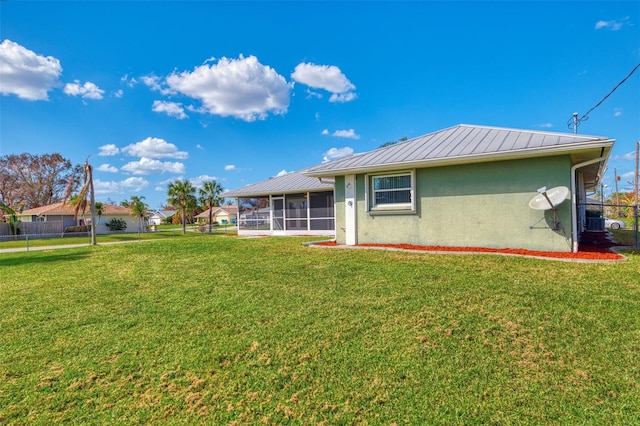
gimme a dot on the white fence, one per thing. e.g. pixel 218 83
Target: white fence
pixel 23 230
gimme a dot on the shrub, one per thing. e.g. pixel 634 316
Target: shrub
pixel 116 224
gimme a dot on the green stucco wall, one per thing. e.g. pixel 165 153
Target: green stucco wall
pixel 472 205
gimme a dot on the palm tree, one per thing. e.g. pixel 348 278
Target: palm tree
pixel 210 197
pixel 81 199
pixel 138 208
pixel 181 195
pixel 99 210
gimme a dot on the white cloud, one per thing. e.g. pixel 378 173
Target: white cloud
pixel 545 125
pixel 108 149
pixel 282 173
pixel 617 112
pixel 107 168
pixel 146 166
pixel 170 180
pixel 326 77
pixel 155 148
pixel 343 97
pixel 118 93
pixel 172 109
pixel 335 153
pixel 26 74
pixel 198 146
pixel 129 81
pixel 156 84
pixel 348 134
pixel 312 94
pixel 612 25
pixel 241 88
pixel 198 181
pixel 229 167
pixel 628 156
pixel 88 90
pixel 132 184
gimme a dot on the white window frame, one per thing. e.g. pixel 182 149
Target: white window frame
pixel 395 208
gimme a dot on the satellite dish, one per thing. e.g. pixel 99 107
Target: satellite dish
pixel 549 199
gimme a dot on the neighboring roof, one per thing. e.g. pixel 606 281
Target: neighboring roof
pixel 230 210
pixel 290 183
pixel 466 144
pixel 163 213
pixel 66 209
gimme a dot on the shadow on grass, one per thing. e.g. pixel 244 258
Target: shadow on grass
pixel 40 258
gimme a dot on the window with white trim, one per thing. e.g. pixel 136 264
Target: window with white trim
pixel 391 192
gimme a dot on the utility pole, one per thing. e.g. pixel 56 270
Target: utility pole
pixel 575 123
pixel 635 192
pixel 616 179
pixel 635 186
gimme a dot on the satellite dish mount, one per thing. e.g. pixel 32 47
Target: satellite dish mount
pixel 550 200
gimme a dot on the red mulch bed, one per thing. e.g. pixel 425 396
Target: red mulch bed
pixel 592 247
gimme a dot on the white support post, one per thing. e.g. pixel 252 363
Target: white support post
pixel 351 211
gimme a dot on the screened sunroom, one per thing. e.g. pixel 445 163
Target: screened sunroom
pixel 292 204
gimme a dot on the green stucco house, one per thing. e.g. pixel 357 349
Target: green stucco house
pixel 467 186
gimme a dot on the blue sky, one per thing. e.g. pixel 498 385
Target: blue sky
pixel 241 91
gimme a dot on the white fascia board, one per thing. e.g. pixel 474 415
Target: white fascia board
pixel 237 194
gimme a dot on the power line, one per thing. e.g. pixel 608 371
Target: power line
pixel 575 121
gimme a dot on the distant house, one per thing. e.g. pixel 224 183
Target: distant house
pixel 292 204
pixel 60 217
pixel 158 217
pixel 222 215
pixel 467 186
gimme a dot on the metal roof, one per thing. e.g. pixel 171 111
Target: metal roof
pixel 463 144
pixel 286 184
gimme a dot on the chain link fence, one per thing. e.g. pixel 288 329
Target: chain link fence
pixel 600 216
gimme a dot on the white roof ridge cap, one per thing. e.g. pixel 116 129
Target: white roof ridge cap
pixel 544 132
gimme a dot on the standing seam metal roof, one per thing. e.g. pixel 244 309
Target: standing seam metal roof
pixel 286 184
pixel 458 142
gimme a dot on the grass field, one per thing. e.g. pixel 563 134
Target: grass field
pixel 625 237
pixel 223 330
pixel 164 231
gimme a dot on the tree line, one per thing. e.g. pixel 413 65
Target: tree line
pixel 28 181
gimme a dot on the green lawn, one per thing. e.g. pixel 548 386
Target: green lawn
pixel 625 237
pixel 164 231
pixel 223 330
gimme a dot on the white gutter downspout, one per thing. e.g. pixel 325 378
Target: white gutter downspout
pixel 574 205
